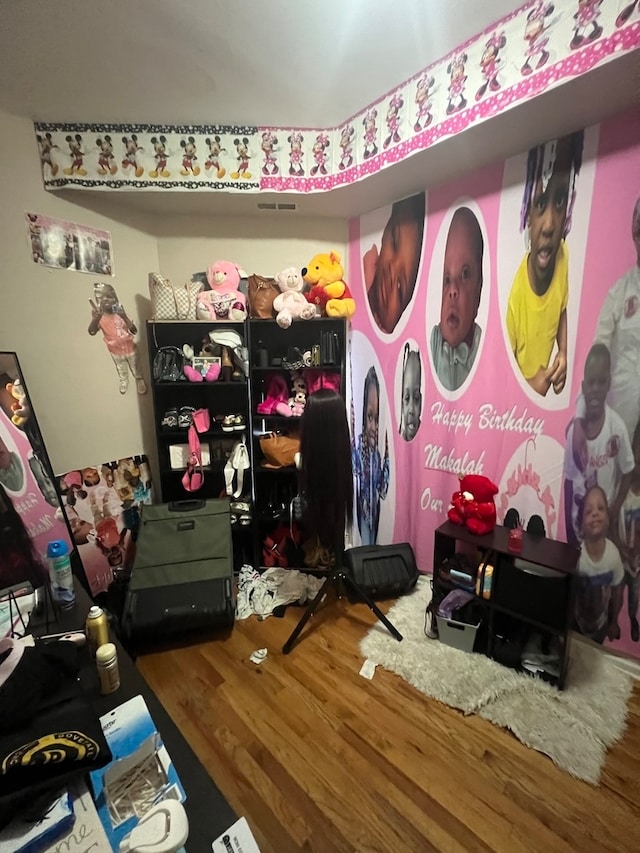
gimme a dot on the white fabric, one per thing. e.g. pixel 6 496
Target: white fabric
pixel 607 571
pixel 619 329
pixel 237 463
pixel 261 594
pixel 575 726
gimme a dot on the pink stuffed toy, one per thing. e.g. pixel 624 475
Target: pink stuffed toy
pixel 224 301
pixel 473 505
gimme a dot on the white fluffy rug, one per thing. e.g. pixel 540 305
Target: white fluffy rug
pixel 574 727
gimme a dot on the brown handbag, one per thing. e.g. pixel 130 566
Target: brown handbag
pixel 279 450
pixel 261 293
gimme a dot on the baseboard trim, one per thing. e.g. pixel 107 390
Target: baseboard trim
pixel 627 664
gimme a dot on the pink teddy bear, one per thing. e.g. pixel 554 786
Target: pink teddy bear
pixel 224 301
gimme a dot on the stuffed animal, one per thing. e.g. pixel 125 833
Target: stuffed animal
pixel 472 506
pixel 20 407
pixel 298 398
pixel 224 301
pixel 325 271
pixel 290 304
pixel 206 371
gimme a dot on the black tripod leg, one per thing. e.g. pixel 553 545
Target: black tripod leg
pixel 372 606
pixel 308 613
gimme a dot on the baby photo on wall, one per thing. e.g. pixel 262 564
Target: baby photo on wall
pixel 391 241
pixel 458 296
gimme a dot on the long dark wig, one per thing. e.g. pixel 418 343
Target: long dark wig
pixel 326 477
pixel 18 559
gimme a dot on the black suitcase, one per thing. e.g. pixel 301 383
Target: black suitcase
pixel 382 571
pixel 182 576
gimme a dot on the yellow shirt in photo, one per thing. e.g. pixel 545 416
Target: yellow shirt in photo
pixel 532 320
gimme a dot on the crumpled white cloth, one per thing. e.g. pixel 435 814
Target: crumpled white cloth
pixel 260 594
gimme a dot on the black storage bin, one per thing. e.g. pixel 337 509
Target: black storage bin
pixel 532 591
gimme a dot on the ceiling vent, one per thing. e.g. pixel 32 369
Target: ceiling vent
pixel 285 207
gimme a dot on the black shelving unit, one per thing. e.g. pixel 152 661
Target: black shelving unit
pixel 220 398
pixel 521 598
pixel 271 351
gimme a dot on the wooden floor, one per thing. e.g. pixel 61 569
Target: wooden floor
pixel 317 758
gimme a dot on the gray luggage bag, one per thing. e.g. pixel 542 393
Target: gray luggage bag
pixel 182 577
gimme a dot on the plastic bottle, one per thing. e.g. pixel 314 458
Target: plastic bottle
pixel 108 670
pixel 60 573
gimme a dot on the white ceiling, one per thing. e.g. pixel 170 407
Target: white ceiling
pixel 281 62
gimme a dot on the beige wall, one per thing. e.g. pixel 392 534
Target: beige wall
pixel 45 313
pixel 261 244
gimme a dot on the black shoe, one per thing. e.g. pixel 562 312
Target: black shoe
pixel 635 630
pixel 536 526
pixel 512 519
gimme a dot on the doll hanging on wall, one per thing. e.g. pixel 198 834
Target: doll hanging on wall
pixel 108 315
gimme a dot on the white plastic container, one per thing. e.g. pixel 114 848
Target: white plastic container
pixel 60 574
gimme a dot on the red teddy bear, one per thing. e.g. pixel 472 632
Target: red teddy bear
pixel 473 505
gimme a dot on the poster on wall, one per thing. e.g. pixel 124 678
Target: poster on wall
pixel 30 507
pixel 69 246
pixel 501 316
pixel 102 504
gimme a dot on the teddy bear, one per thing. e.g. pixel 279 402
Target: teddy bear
pixel 20 406
pixel 290 304
pixel 224 301
pixel 473 506
pixel 324 275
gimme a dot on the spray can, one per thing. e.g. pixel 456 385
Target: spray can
pixel 60 574
pixel 96 629
pixel 108 669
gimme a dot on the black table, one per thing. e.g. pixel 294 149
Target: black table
pixel 208 812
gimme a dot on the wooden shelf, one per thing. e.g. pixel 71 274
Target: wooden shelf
pixel 540 602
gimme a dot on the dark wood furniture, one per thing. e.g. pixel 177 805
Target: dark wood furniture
pixel 521 595
pixel 220 398
pixel 269 346
pixel 208 811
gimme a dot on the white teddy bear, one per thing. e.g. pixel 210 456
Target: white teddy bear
pixel 291 304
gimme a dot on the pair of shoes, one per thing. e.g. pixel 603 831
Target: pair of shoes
pixel 296 359
pixel 535 525
pixel 240 513
pixel 233 423
pixel 194 375
pixel 169 419
pixel 185 416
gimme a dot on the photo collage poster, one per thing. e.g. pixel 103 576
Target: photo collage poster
pixel 498 333
pixel 27 483
pixel 102 504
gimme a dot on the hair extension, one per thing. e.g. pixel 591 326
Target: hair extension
pixel 326 475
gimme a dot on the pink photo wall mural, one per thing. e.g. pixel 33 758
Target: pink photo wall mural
pixel 498 333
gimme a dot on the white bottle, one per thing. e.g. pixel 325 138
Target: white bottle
pixel 60 574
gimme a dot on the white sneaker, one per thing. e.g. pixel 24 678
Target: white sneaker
pixel 141 386
pixel 124 385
